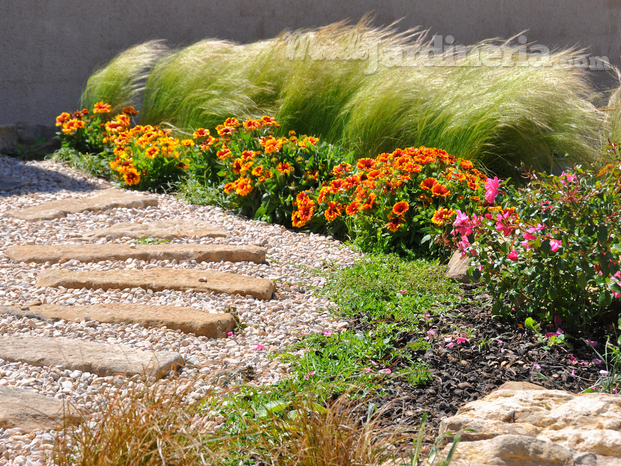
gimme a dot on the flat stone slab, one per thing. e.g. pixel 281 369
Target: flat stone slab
pixel 164 229
pixel 160 279
pixel 186 319
pixel 28 410
pixel 98 358
pixel 107 199
pixel 145 252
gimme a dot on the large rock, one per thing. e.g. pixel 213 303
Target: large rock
pixel 164 229
pixel 86 356
pixel 160 279
pixel 513 426
pixel 8 137
pixel 187 320
pixel 107 199
pixel 457 268
pixel 27 410
pixel 121 252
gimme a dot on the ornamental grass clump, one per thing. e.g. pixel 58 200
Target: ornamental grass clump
pixel 373 90
pixel 550 249
pixel 397 201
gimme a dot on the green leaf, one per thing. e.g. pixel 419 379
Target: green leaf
pixel 605 298
pixel 582 281
pixel 425 239
pixel 602 234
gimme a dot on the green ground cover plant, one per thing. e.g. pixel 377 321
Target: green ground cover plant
pixel 373 90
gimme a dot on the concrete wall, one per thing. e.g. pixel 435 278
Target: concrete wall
pixel 49 47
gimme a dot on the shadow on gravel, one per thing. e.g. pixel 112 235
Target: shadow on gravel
pixel 19 178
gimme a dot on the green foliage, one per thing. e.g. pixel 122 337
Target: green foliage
pixel 385 288
pixel 552 249
pixel 88 163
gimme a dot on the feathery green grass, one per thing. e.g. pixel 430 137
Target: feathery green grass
pixel 370 89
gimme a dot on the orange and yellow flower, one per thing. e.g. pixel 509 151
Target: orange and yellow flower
pixel 101 107
pixel 131 177
pixel 442 215
pixel 400 208
pixel 439 190
pixel 333 211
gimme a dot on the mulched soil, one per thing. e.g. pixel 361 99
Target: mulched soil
pixel 471 370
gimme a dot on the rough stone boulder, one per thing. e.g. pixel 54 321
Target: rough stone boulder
pixel 523 424
pixel 457 268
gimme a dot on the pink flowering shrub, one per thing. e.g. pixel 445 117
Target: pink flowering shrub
pixel 551 248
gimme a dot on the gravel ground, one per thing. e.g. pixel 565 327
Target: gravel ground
pixel 273 324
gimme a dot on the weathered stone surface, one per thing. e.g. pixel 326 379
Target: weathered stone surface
pixel 164 229
pixel 8 137
pixel 145 252
pixel 107 199
pixel 186 319
pixel 26 409
pixel 161 279
pixel 98 358
pixel 457 268
pixel 534 426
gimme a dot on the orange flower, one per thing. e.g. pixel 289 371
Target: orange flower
pixel 229 187
pixel 258 171
pixel 207 142
pixel 225 153
pixel 243 187
pixel 353 208
pixel 365 164
pixel 129 110
pixel 466 164
pixel 370 202
pixel 152 152
pixel 248 155
pixel 400 208
pixel 269 121
pixel 333 211
pixel 187 143
pixel 336 185
pixel 60 119
pixel 131 176
pixel 442 215
pixel 100 107
pixel 224 130
pixel 323 193
pixel 428 183
pixel 394 224
pixel 231 122
pixel 374 174
pixel 72 126
pixel 200 133
pixel 285 168
pixel 271 144
pixel 439 190
pixel 252 124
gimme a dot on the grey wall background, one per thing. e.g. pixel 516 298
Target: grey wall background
pixel 49 47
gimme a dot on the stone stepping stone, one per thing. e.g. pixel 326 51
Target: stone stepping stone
pixel 164 229
pixel 186 319
pixel 102 359
pixel 145 252
pixel 160 279
pixel 107 199
pixel 28 410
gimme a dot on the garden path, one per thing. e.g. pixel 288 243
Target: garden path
pixel 215 269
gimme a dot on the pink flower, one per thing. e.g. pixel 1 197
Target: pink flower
pixel 327 333
pixel 536 366
pixel 599 362
pixel 593 343
pixel 558 321
pixel 461 340
pixel 449 345
pixel 491 189
pixel 366 370
pixel 555 244
pixel 573 372
pixel 568 177
pixel 603 372
pixel 403 291
pixel 513 255
pixel 571 357
pixel 229 334
pixel 259 347
pixel 431 332
pixel 448 339
pixel 384 371
pixel 499 341
pixel 309 375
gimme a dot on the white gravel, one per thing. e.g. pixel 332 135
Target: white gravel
pixel 273 324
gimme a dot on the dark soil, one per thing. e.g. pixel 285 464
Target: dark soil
pixel 471 370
